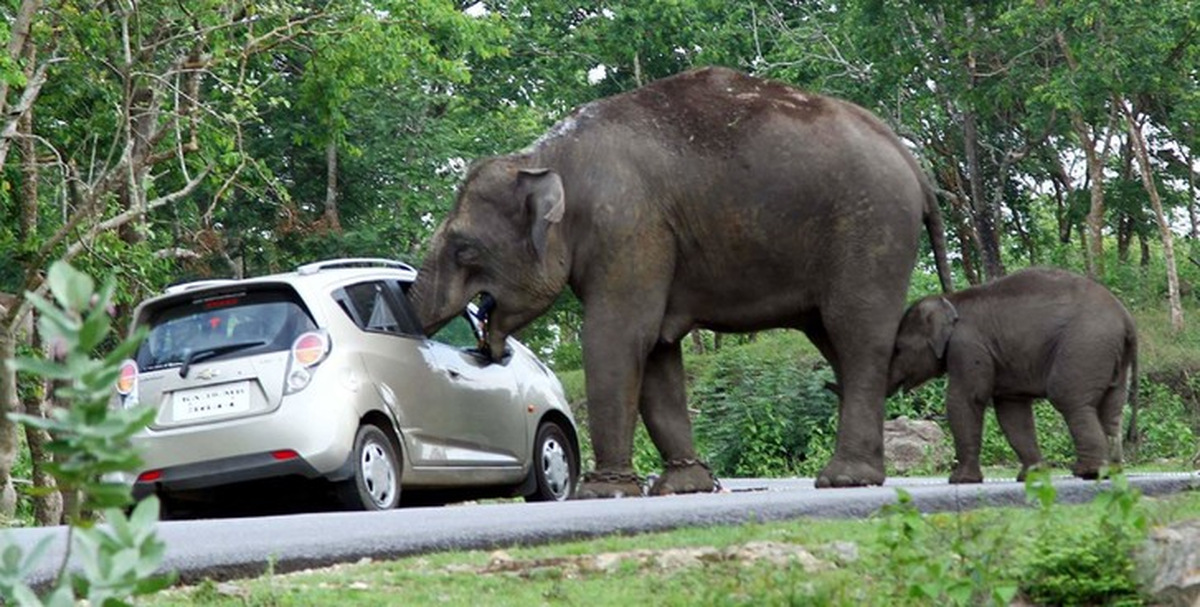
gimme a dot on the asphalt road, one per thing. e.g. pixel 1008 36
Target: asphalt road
pixel 243 547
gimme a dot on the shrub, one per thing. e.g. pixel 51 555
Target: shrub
pixel 1074 564
pixel 90 441
pixel 1164 425
pixel 763 411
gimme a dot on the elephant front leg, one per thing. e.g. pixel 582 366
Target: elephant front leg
pixel 663 406
pixel 965 413
pixel 613 365
pixel 1016 421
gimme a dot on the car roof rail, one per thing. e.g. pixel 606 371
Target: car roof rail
pixel 353 262
pixel 197 284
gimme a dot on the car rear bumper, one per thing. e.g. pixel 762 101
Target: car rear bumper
pixel 318 424
pixel 225 471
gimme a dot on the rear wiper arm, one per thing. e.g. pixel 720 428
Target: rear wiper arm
pixel 207 353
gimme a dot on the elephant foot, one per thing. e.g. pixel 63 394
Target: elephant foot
pixel 966 475
pixel 685 476
pixel 1089 471
pixel 843 473
pixel 1023 473
pixel 608 484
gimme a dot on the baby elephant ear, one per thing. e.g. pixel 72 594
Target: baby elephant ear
pixel 941 325
pixel 546 203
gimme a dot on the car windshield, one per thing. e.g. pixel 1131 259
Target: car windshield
pixel 223 325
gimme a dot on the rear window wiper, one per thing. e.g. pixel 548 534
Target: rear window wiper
pixel 207 353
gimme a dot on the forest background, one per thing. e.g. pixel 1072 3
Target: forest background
pixel 160 141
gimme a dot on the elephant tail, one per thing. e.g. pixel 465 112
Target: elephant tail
pixel 937 236
pixel 1131 355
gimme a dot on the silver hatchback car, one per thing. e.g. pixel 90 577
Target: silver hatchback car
pixel 324 374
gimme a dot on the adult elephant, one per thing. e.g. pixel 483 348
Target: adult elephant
pixel 707 199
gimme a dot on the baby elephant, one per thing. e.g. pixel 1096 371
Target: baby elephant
pixel 1037 333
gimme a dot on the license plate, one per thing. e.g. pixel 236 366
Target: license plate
pixel 211 401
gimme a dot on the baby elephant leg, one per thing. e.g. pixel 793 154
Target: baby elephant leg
pixel 966 424
pixel 1016 421
pixel 1091 442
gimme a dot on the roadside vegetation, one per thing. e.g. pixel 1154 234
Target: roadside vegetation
pixel 1047 554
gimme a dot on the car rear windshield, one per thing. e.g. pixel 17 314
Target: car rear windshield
pixel 231 324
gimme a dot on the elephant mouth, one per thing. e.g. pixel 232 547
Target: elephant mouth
pixel 484 308
pixel 488 338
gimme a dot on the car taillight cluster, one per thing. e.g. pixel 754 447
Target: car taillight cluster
pixel 127 383
pixel 307 352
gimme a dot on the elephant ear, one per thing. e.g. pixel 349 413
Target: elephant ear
pixel 545 203
pixel 942 318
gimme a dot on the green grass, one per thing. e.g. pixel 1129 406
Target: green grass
pixel 640 567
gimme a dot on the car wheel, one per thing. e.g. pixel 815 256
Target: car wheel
pixel 375 484
pixel 555 465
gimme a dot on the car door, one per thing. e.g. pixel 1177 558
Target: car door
pixel 423 384
pixel 484 395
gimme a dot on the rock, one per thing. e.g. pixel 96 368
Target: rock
pixel 842 552
pixel 1168 564
pixel 910 444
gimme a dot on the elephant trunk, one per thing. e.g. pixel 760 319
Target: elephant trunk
pixel 429 301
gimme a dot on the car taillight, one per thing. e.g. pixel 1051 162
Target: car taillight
pixel 307 352
pixel 310 349
pixel 127 378
pixel 149 476
pixel 126 385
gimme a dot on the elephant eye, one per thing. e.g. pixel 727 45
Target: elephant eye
pixel 466 255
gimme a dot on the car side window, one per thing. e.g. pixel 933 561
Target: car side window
pixel 459 333
pixel 369 305
pixel 405 312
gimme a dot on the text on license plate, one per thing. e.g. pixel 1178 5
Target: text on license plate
pixel 211 401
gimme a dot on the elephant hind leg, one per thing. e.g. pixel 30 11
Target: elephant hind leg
pixel 1016 421
pixel 858 347
pixel 1092 444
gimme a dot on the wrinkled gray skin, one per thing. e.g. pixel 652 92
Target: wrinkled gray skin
pixel 1037 333
pixel 708 199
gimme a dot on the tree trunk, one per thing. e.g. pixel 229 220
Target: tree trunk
pixel 697 342
pixel 1124 238
pixel 27 224
pixel 8 430
pixel 1094 248
pixel 1062 189
pixel 1192 213
pixel 332 220
pixel 989 239
pixel 1095 216
pixel 17 35
pixel 47 503
pixel 1164 228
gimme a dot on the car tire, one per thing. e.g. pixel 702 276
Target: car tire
pixel 375 484
pixel 555 465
